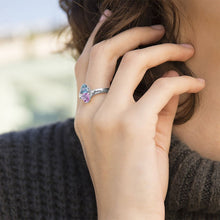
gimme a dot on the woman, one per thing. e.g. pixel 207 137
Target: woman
pixel 119 143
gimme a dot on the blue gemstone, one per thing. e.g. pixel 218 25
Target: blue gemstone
pixel 85 93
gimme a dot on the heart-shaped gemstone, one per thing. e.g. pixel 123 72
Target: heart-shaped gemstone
pixel 85 93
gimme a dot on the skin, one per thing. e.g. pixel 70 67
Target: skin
pixel 200 21
pixel 128 168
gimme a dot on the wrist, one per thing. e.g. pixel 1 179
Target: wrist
pixel 123 209
pixel 136 217
pixel 131 216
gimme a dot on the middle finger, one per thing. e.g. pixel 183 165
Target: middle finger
pixel 104 55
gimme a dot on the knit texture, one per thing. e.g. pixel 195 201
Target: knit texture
pixel 43 175
pixel 194 184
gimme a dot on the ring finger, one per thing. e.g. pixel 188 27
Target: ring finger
pixel 81 65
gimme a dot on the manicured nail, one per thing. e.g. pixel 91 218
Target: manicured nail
pixel 106 13
pixel 201 80
pixel 187 46
pixel 158 27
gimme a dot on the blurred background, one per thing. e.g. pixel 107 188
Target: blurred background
pixel 37 84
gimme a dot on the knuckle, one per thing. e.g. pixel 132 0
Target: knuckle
pixel 78 66
pixel 163 83
pixel 129 57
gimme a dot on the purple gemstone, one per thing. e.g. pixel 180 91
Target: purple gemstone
pixel 85 97
pixel 84 93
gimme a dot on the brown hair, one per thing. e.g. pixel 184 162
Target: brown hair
pixel 83 15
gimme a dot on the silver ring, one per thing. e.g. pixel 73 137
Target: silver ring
pixel 86 93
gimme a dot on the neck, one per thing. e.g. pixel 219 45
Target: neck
pixel 201 132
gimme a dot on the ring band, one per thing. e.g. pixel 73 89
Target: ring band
pixel 86 94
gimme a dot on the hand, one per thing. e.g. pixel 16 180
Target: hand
pixel 126 143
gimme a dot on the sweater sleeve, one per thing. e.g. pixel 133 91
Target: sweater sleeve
pixel 43 175
pixel 194 183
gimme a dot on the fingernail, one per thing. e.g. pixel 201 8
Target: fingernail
pixel 187 46
pixel 200 80
pixel 158 27
pixel 106 13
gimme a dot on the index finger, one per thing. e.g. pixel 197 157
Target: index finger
pixel 91 38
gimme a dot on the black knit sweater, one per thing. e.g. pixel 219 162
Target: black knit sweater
pixel 43 175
